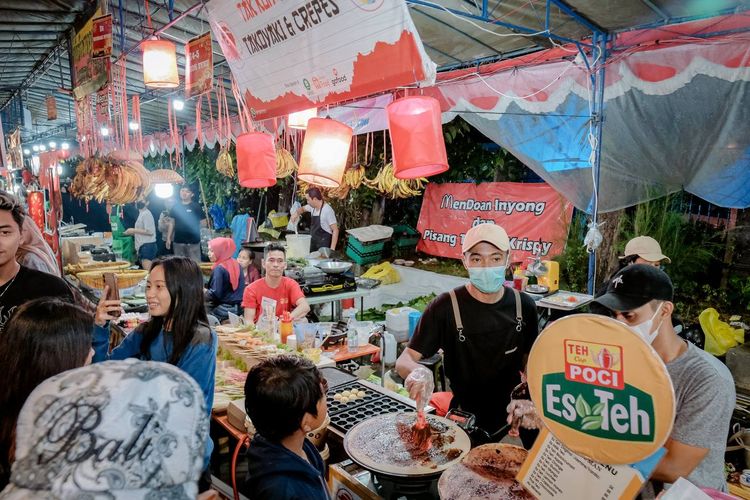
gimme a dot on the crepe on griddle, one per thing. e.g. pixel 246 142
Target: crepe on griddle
pixel 488 471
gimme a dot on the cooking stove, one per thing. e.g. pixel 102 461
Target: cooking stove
pixel 346 416
pixel 315 282
pixel 392 488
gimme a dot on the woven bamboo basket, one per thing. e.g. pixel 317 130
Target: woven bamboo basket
pixel 97 266
pixel 125 279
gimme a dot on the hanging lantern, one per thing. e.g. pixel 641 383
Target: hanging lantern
pixel 160 64
pixel 324 152
pixel 417 137
pixel 256 160
pixel 299 119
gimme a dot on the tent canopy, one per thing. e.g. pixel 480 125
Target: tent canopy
pixel 652 142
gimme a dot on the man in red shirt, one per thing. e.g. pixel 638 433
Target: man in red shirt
pixel 275 289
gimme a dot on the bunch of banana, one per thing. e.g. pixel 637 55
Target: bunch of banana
pixel 224 163
pixel 353 177
pixel 285 163
pixel 113 180
pixel 387 183
pixel 406 188
pixel 340 192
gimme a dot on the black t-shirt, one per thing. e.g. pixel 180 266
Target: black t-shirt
pixel 29 284
pixel 483 369
pixel 187 222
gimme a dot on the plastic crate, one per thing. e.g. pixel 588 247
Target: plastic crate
pixel 366 248
pixel 364 257
pixel 405 236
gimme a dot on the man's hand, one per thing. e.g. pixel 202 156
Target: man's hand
pixel 525 411
pixel 417 381
pixel 168 244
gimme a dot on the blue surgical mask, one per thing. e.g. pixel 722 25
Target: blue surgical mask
pixel 487 279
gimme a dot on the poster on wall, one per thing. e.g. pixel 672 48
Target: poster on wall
pixel 90 73
pixel 199 68
pixel 102 36
pixel 535 216
pixel 292 55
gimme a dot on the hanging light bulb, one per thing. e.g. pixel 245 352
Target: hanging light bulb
pixel 104 131
pixel 133 126
pixel 52 144
pixel 163 190
pixel 65 146
pixel 324 152
pixel 35 147
pixel 416 137
pixel 256 160
pixel 26 152
pixel 299 119
pixel 178 104
pixel 160 64
pixel 42 147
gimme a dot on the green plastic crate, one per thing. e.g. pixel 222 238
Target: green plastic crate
pixel 364 257
pixel 405 236
pixel 366 248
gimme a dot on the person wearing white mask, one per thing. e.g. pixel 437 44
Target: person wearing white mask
pixel 641 296
pixel 485 330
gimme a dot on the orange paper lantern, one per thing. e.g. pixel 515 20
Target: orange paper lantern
pixel 160 64
pixel 256 160
pixel 324 152
pixel 417 137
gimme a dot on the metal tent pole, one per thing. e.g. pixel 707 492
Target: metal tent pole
pixel 597 116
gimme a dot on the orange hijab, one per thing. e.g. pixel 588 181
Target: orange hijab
pixel 223 249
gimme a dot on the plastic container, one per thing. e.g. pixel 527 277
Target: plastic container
pixel 405 236
pixel 397 319
pixel 364 257
pixel 369 247
pixel 389 342
pixel 399 335
pixel 414 318
pixel 298 245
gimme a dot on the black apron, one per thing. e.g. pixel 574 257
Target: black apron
pixel 319 237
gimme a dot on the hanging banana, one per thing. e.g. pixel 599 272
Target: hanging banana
pixel 285 163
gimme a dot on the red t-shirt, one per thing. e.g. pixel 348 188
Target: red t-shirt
pixel 286 295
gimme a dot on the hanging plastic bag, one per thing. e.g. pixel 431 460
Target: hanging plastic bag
pixel 720 337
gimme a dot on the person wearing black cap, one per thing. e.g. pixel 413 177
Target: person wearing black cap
pixel 188 219
pixel 641 296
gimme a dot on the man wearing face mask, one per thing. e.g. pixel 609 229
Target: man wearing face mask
pixel 484 329
pixel 640 296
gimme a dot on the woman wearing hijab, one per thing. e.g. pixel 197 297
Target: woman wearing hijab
pixel 227 283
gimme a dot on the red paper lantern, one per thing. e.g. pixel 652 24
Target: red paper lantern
pixel 160 64
pixel 417 137
pixel 325 152
pixel 256 160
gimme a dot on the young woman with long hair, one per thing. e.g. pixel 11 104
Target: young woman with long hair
pixel 177 332
pixel 47 336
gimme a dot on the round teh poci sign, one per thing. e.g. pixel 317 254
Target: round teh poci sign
pixel 601 389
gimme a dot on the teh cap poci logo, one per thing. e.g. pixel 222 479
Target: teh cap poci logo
pixel 601 389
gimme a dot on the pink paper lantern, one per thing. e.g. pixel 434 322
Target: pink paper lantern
pixel 256 160
pixel 417 137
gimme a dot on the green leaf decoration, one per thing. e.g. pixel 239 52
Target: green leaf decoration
pixel 592 425
pixel 582 407
pixel 597 409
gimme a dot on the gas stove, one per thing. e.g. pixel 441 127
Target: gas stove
pixel 314 282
